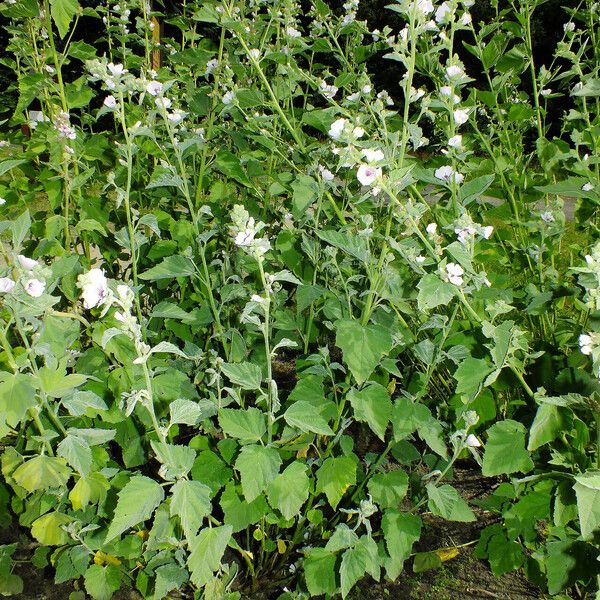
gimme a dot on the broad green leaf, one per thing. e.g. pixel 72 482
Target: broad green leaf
pixel 56 383
pixel 177 460
pixel 389 489
pixel 237 512
pixel 62 12
pixel 343 537
pixel 570 561
pixel 319 572
pixel 334 477
pixel 444 501
pixel 170 268
pixel 247 425
pixel 168 310
pixel 258 466
pixel 20 228
pixel 17 396
pixel 372 405
pixel 587 489
pixel 409 416
pixel 47 530
pixel 211 470
pixel 400 531
pixel 434 292
pixel 304 417
pixel 168 578
pixel 247 375
pixel 185 412
pixel 289 490
pixel 42 473
pixel 358 561
pixel 505 449
pixel 207 551
pixel 8 165
pixel 77 452
pixel 425 561
pixel 137 501
pixel 89 490
pixel 546 427
pixel 190 501
pixel 229 164
pixel 352 244
pixel 363 346
pixel 503 554
pixel 102 582
pixel 470 375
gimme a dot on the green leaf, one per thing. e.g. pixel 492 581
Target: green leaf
pixel 72 563
pixel 137 501
pixel 372 405
pixel 177 460
pixel 62 12
pixel 434 292
pixel 8 165
pixel 247 425
pixel 186 412
pixel 47 530
pixel 211 470
pixel 334 477
pixel 343 537
pixel 20 228
pixel 389 489
pixel 304 417
pixel 570 561
pixel 17 396
pixel 587 489
pixel 425 561
pixel 82 402
pixel 229 164
pixel 168 578
pixel 190 501
pixel 358 561
pixel 470 375
pixel 207 550
pixel 237 512
pixel 77 453
pixel 444 501
pixel 247 375
pixel 505 449
pixel 258 466
pixel 319 572
pixel 363 346
pixel 102 582
pixel 170 268
pixel 289 490
pixel 546 427
pixel 89 490
pixel 42 473
pixel 352 244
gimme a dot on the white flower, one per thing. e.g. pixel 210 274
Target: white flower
pixel 353 97
pixel 254 53
pixel 447 173
pixel 570 26
pixel 6 285
pixel 454 71
pixel 547 217
pixel 466 19
pixel 50 69
pixel 371 155
pixel 161 102
pixel 425 7
pixel 116 70
pixel 292 32
pixel 589 259
pixel 27 263
pixel 176 116
pixel 420 259
pixel 228 97
pixel 443 12
pixel 546 92
pixel 2 201
pixel 34 287
pixel 464 234
pixel 455 142
pixel 585 343
pixel 36 117
pixel 366 89
pixel 454 273
pixel 326 174
pixel 244 238
pixel 487 231
pixel 358 132
pixel 367 174
pixel 110 102
pixel 94 286
pixel 472 441
pixel 587 187
pixel 154 88
pixel 461 116
pixel 447 91
pixel 329 91
pixel 337 128
pixel 211 65
pixel 431 229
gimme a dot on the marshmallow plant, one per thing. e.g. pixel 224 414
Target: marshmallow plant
pixel 260 306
